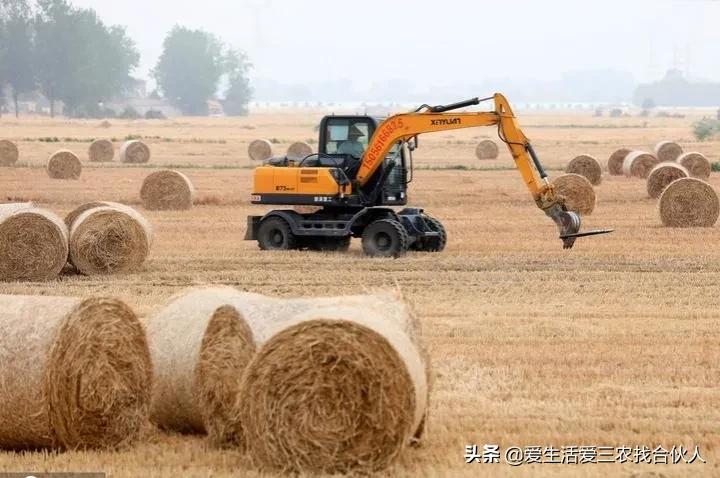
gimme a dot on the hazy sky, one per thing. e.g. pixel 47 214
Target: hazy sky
pixel 438 42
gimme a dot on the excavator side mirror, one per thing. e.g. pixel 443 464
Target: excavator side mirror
pixel 413 143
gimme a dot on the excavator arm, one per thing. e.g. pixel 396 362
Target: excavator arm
pixel 428 119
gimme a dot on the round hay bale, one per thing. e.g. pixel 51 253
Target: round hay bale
pixel 662 175
pixel 487 149
pixel 260 150
pixel 689 202
pixel 578 192
pixel 64 164
pixel 75 373
pixel 109 239
pixel 638 164
pixel 336 389
pixel 696 164
pixel 33 243
pixel 615 161
pixel 668 151
pixel 75 213
pixel 101 150
pixel 9 153
pixel 134 152
pixel 167 190
pixel 299 150
pixel 586 165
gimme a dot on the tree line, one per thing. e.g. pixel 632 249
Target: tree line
pixel 69 54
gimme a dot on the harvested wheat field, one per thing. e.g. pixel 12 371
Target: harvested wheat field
pixel 613 343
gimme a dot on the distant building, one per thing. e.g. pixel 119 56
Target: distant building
pixel 676 90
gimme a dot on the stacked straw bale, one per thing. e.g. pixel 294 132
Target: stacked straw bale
pixel 299 150
pixel 134 152
pixel 9 153
pixel 586 165
pixel 638 164
pixel 260 150
pixel 111 238
pixel 486 149
pixel 64 164
pixel 668 151
pixel 167 190
pixel 578 192
pixel 75 373
pixel 662 175
pixel 616 160
pixel 696 164
pixel 336 389
pixel 689 202
pixel 33 243
pixel 101 150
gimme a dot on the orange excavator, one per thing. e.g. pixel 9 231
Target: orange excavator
pixel 360 176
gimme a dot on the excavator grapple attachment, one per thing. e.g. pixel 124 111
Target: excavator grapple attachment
pixel 568 224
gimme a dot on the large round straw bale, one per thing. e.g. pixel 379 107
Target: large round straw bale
pixel 336 389
pixel 134 152
pixel 578 192
pixel 75 373
pixel 167 190
pixel 586 165
pixel 486 149
pixel 9 153
pixel 109 239
pixel 299 150
pixel 33 243
pixel 689 202
pixel 638 164
pixel 662 175
pixel 101 150
pixel 64 164
pixel 668 151
pixel 75 213
pixel 696 164
pixel 260 150
pixel 615 161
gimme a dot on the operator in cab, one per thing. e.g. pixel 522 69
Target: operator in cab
pixel 352 146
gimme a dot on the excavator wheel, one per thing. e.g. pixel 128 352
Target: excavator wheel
pixel 274 234
pixel 385 238
pixel 432 244
pixel 331 244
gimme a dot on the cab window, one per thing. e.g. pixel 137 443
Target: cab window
pixel 347 136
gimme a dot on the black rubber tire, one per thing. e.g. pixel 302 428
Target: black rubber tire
pixel 385 238
pixel 274 234
pixel 435 244
pixel 327 244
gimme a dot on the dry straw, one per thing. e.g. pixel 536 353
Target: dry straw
pixel 578 192
pixel 109 239
pixel 75 213
pixel 638 164
pixel 696 164
pixel 336 389
pixel 134 152
pixel 167 190
pixel 662 175
pixel 101 150
pixel 9 153
pixel 667 151
pixel 260 150
pixel 689 202
pixel 615 161
pixel 299 150
pixel 486 149
pixel 75 373
pixel 64 164
pixel 586 165
pixel 33 243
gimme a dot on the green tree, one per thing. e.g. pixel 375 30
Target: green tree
pixel 18 51
pixel 190 68
pixel 79 59
pixel 239 92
